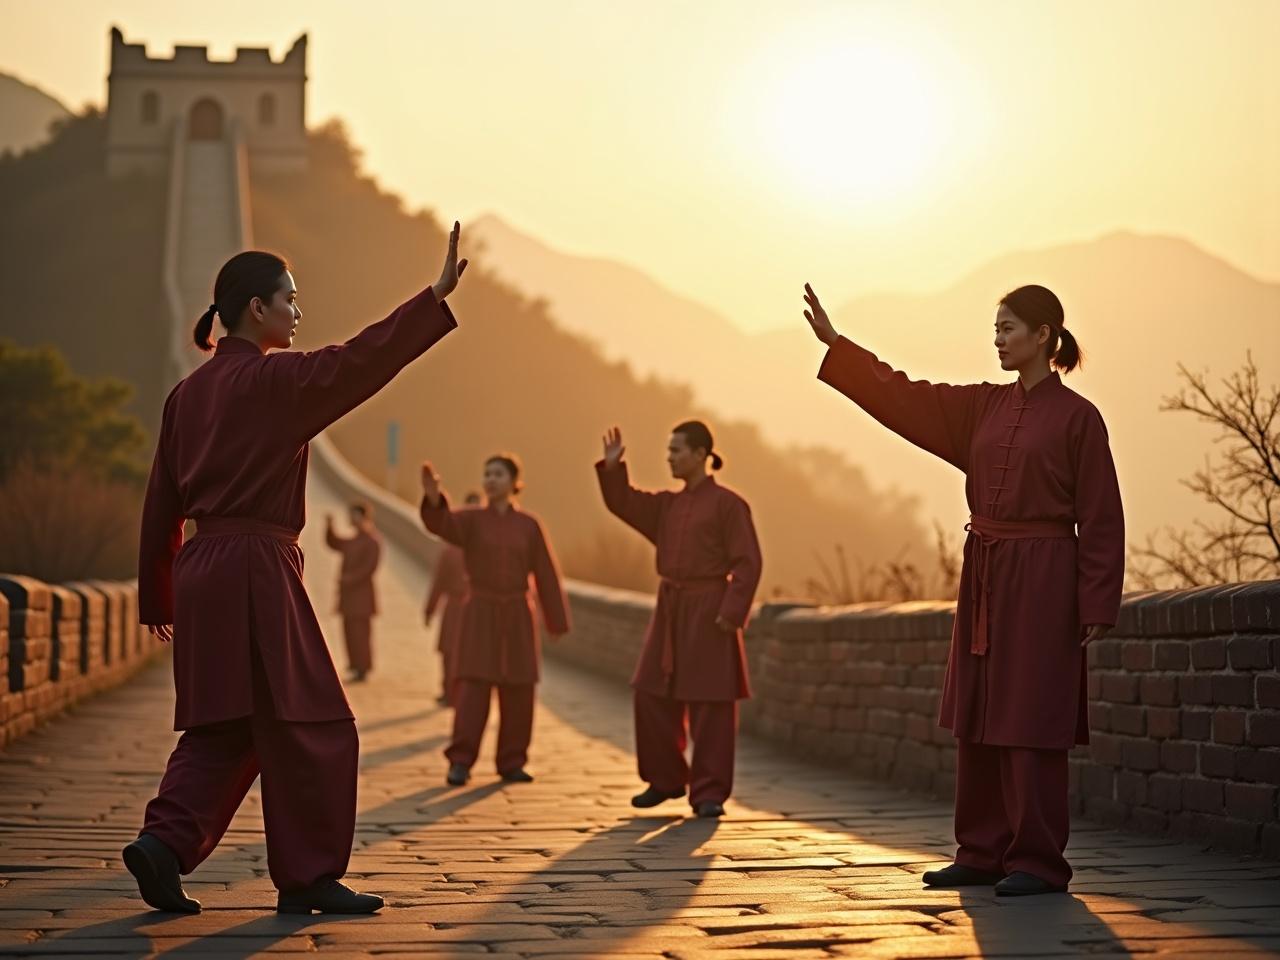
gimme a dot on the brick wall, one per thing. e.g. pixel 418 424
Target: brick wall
pixel 61 642
pixel 1184 700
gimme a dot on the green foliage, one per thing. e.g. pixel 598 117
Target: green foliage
pixel 52 419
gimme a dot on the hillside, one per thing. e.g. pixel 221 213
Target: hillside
pixel 80 260
pixel 26 114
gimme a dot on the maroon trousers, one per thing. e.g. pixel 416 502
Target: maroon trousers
pixel 471 713
pixel 1011 810
pixel 308 791
pixel 663 727
pixel 358 632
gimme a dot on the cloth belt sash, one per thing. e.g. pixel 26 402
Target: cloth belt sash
pixel 244 527
pixel 989 532
pixel 668 590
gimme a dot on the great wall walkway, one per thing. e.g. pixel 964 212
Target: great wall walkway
pixel 808 863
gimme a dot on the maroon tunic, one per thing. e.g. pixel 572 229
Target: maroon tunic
pixel 503 549
pixel 233 447
pixel 360 554
pixel 448 588
pixel 1038 456
pixel 709 561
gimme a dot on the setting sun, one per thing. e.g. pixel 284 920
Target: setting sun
pixel 853 122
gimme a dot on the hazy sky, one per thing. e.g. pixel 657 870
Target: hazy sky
pixel 736 149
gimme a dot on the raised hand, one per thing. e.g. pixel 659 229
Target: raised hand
pixel 818 319
pixel 430 483
pixel 613 448
pixel 452 270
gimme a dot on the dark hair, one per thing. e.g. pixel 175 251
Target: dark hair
pixel 472 497
pixel 512 463
pixel 362 507
pixel 698 434
pixel 1038 306
pixel 253 273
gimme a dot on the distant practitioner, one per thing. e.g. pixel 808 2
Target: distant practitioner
pixel 503 547
pixel 692 669
pixel 357 597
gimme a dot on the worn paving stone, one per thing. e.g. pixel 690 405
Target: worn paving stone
pixel 808 862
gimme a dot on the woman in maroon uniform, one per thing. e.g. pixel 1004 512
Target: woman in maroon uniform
pixel 357 598
pixel 692 670
pixel 498 643
pixel 1042 576
pixel 257 689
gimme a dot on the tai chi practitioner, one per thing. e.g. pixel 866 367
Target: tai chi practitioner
pixel 449 587
pixel 257 692
pixel 357 597
pixel 693 668
pixel 1042 576
pixel 498 644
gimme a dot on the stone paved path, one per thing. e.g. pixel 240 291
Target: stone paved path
pixel 809 863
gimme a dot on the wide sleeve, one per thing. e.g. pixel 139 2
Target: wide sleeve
pixel 937 417
pixel 745 562
pixel 639 509
pixel 160 539
pixel 1100 526
pixel 317 387
pixel 435 595
pixel 332 540
pixel 446 523
pixel 546 580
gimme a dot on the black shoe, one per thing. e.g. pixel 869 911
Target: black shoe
pixel 652 796
pixel 155 867
pixel 357 676
pixel 516 776
pixel 327 896
pixel 1019 884
pixel 458 775
pixel 710 809
pixel 958 875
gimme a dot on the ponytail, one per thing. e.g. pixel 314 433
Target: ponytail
pixel 1068 356
pixel 717 461
pixel 204 328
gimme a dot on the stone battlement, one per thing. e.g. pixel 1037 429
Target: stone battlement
pixel 133 58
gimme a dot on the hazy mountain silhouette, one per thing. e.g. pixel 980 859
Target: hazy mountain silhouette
pixel 26 113
pixel 1140 304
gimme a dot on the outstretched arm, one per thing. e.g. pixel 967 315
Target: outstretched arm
pixel 937 417
pixel 639 509
pixel 437 516
pixel 318 387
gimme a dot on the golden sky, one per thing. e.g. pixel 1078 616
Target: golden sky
pixel 736 149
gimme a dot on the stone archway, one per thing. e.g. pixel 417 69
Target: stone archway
pixel 206 120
